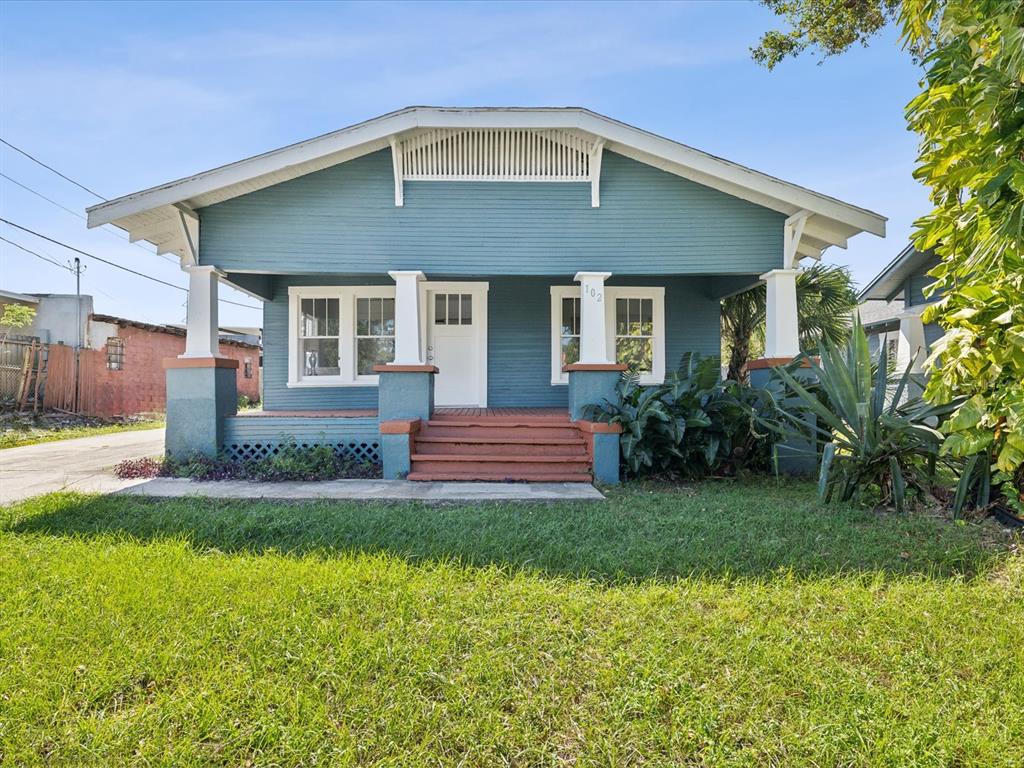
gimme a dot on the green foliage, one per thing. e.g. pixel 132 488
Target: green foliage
pixel 870 441
pixel 290 462
pixel 826 26
pixel 17 316
pixel 970 117
pixel 825 300
pixel 693 425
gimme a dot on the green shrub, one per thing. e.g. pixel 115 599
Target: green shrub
pixel 693 425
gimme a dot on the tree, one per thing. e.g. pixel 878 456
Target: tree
pixel 825 299
pixel 970 117
pixel 15 316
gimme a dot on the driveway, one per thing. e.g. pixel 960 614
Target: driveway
pixel 83 464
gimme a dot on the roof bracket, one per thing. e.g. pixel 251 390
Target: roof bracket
pixel 396 163
pixel 793 230
pixel 595 173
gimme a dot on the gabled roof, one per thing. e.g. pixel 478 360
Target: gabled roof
pixel 889 282
pixel 165 215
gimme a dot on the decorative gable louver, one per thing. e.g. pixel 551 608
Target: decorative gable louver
pixel 489 154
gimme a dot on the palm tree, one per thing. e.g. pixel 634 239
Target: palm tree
pixel 825 300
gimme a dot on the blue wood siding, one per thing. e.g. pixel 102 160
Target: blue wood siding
pixel 253 437
pixel 519 340
pixel 343 220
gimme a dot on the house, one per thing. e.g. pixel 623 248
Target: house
pixel 892 306
pixel 121 362
pixel 446 289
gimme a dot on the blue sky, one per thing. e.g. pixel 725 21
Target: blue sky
pixel 123 96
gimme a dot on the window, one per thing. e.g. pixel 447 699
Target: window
pixel 115 354
pixel 320 337
pixel 453 309
pixel 634 330
pixel 634 334
pixel 375 333
pixel 247 369
pixel 337 334
pixel 569 333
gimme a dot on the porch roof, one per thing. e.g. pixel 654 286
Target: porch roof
pixel 165 215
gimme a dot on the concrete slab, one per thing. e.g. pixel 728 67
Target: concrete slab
pixel 385 490
pixel 82 464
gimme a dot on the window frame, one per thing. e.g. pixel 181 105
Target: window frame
pixel 346 296
pixel 611 295
pixel 118 356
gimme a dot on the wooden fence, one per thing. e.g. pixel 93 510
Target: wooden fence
pixel 36 375
pixel 22 362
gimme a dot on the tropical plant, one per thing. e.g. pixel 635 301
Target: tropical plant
pixel 969 116
pixel 693 425
pixel 825 299
pixel 871 438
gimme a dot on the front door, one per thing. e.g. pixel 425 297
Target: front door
pixel 455 339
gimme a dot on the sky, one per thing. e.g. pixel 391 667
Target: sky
pixel 124 96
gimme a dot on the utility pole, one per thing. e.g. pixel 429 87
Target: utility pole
pixel 77 268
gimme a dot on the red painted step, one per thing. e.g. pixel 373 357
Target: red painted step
pixel 511 466
pixel 497 477
pixel 504 446
pixel 434 428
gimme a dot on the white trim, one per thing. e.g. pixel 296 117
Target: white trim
pixel 782 324
pixel 202 334
pixel 479 289
pixel 143 209
pixel 612 293
pixel 346 294
pixel 408 350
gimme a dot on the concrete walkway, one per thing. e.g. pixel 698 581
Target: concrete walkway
pixel 83 464
pixel 389 490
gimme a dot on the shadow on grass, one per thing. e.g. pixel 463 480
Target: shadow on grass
pixel 732 530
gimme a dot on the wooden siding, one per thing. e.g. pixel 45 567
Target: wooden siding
pixel 343 220
pixel 519 341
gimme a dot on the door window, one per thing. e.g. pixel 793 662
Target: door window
pixel 453 309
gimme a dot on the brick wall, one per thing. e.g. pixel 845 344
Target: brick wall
pixel 141 385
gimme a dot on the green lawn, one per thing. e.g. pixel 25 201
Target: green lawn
pixel 31 435
pixel 713 626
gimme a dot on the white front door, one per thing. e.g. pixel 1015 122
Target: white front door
pixel 456 321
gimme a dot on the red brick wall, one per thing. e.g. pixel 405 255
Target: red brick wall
pixel 141 385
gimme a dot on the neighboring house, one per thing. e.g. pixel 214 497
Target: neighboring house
pixel 892 305
pixel 486 260
pixel 129 376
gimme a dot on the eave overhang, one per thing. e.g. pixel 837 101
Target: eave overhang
pixel 164 215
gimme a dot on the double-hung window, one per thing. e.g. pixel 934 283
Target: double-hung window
pixel 634 319
pixel 337 334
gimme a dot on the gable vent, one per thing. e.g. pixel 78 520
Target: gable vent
pixel 503 154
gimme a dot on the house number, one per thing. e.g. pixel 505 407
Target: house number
pixel 596 294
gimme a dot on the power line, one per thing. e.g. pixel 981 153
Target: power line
pixel 37 255
pixel 111 263
pixel 53 170
pixel 75 213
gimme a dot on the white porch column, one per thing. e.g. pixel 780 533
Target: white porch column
pixel 911 347
pixel 593 330
pixel 202 337
pixel 407 316
pixel 782 331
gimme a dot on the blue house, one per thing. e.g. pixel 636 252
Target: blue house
pixel 445 289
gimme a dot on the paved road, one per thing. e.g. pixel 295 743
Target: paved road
pixel 83 464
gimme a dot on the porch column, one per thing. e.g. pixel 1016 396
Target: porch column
pixel 911 347
pixel 593 331
pixel 782 329
pixel 202 337
pixel 407 316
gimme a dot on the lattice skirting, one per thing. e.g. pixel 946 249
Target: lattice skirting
pixel 250 450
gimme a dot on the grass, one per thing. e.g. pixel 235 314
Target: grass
pixel 716 626
pixel 14 438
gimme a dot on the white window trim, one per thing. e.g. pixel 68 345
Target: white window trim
pixel 657 294
pixel 347 295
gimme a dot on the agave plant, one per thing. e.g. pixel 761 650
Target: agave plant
pixel 869 437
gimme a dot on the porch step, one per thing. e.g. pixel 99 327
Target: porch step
pixel 498 477
pixel 501 445
pixel 483 428
pixel 509 466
